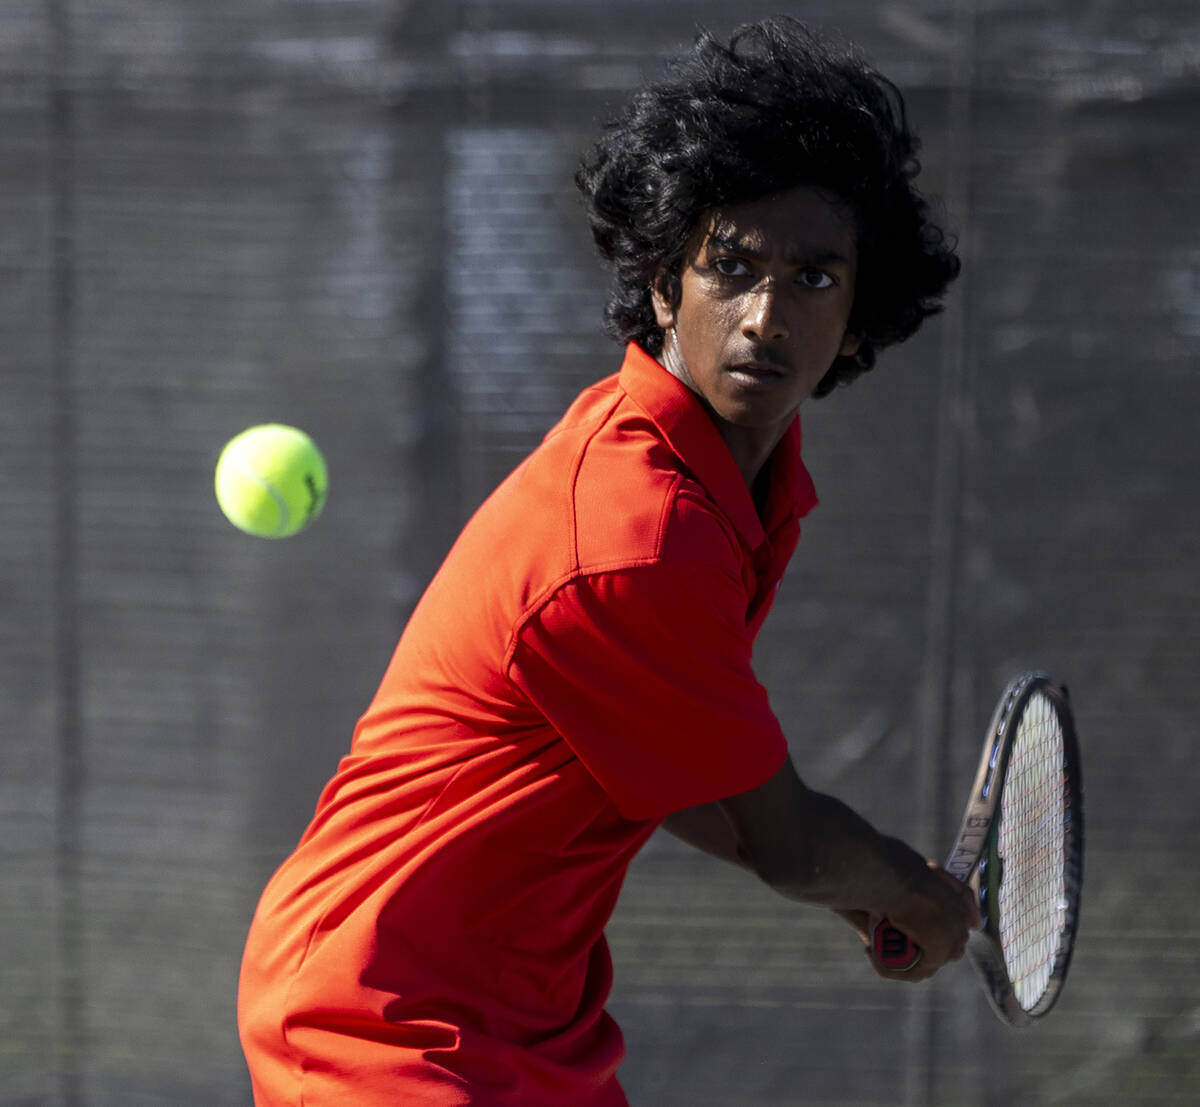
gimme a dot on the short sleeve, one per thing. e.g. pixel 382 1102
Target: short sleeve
pixel 646 673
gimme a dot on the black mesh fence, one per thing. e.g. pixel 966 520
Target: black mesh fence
pixel 358 217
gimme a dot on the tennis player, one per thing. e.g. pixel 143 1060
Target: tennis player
pixel 578 672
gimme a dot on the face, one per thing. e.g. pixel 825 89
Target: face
pixel 764 300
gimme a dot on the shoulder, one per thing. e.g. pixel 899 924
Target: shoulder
pixel 634 501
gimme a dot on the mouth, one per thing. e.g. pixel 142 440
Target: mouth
pixel 756 372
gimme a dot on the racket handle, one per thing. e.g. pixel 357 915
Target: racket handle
pixel 893 948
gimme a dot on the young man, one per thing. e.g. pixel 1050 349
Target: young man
pixel 579 671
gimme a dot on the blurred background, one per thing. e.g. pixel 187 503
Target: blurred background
pixel 358 216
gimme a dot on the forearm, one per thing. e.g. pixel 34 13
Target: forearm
pixel 707 829
pixel 811 847
pixel 831 856
pixel 839 860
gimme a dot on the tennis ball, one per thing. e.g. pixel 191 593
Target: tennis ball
pixel 271 481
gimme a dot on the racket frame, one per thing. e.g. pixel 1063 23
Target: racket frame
pixel 975 856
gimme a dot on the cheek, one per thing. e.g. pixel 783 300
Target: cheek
pixel 706 324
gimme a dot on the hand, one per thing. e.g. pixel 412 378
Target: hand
pixel 936 914
pixel 860 920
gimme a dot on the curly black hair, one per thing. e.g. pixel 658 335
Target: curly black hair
pixel 776 108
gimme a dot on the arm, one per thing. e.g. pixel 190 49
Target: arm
pixel 812 848
pixel 707 829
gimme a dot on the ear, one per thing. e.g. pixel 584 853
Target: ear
pixel 664 310
pixel 850 344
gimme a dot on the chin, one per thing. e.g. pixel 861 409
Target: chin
pixel 755 417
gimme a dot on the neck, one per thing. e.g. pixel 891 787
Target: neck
pixel 751 447
pixel 750 450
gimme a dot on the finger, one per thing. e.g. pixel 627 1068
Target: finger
pixel 964 892
pixel 860 920
pixel 973 907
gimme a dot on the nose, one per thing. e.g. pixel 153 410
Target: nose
pixel 763 320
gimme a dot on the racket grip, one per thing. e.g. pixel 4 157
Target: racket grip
pixel 893 948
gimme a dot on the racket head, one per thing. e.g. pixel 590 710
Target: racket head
pixel 1029 871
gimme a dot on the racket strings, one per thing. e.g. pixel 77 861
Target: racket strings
pixel 1031 842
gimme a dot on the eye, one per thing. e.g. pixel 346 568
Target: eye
pixel 731 267
pixel 815 278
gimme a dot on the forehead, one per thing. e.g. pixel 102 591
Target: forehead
pixel 801 221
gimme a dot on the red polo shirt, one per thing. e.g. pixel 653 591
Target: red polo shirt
pixel 578 669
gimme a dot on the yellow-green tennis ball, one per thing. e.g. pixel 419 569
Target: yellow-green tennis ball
pixel 271 481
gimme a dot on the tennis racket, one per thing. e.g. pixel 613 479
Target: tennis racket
pixel 1020 848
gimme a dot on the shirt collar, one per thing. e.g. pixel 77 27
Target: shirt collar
pixel 693 436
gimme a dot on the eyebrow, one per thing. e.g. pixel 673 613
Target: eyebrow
pixel 794 253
